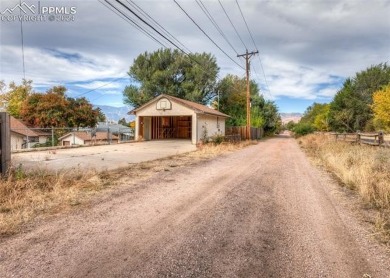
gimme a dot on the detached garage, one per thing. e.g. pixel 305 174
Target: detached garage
pixel 168 117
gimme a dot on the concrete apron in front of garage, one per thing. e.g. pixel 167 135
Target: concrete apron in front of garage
pixel 100 158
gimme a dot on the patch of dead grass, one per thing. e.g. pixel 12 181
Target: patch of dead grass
pixel 365 169
pixel 24 196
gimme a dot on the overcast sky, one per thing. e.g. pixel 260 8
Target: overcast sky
pixel 306 47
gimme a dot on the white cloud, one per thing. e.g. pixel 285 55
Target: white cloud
pixel 328 92
pixel 104 85
pixel 112 92
pixel 46 68
pixel 296 81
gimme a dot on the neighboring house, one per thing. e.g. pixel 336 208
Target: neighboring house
pixel 87 138
pixel 124 133
pixel 23 137
pixel 167 117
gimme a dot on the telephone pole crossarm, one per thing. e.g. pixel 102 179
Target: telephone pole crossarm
pixel 247 56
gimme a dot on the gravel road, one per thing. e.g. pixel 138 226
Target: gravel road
pixel 263 211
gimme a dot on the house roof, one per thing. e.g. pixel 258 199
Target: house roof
pixel 19 127
pixel 84 135
pixel 197 107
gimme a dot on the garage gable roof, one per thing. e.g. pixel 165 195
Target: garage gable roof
pixel 197 107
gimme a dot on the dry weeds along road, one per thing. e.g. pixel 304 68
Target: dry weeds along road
pixel 262 211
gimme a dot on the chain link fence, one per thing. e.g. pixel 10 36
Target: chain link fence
pixel 30 138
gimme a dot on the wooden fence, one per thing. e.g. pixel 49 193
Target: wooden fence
pixel 373 139
pixel 238 133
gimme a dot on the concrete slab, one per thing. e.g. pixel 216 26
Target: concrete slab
pixel 106 157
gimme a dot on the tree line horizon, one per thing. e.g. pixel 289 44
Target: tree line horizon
pixel 362 104
pixel 192 77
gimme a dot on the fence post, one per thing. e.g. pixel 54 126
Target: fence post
pixel 358 137
pixel 5 142
pixel 380 138
pixel 52 136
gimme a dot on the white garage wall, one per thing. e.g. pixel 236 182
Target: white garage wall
pixel 177 110
pixel 214 126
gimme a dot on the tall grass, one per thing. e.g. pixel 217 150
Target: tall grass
pixel 362 168
pixel 365 169
pixel 26 195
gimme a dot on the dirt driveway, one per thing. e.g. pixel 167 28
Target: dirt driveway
pixel 106 157
pixel 263 211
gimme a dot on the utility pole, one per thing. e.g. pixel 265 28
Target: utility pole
pixel 247 56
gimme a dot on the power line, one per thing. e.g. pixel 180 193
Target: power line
pixel 158 24
pixel 135 25
pixel 210 17
pixel 131 21
pixel 104 85
pixel 266 83
pixel 150 26
pixel 231 22
pixel 254 43
pixel 207 35
pixel 189 56
pixel 154 29
pixel 265 78
pixel 22 35
pixel 246 24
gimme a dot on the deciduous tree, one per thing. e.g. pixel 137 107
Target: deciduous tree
pixel 381 108
pixel 46 110
pixel 82 113
pixel 15 96
pixel 321 121
pixel 171 72
pixel 351 108
pixel 54 109
pixel 123 122
pixel 231 100
pixel 317 116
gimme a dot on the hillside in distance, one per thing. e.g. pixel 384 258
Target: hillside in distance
pixel 116 113
pixel 287 117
